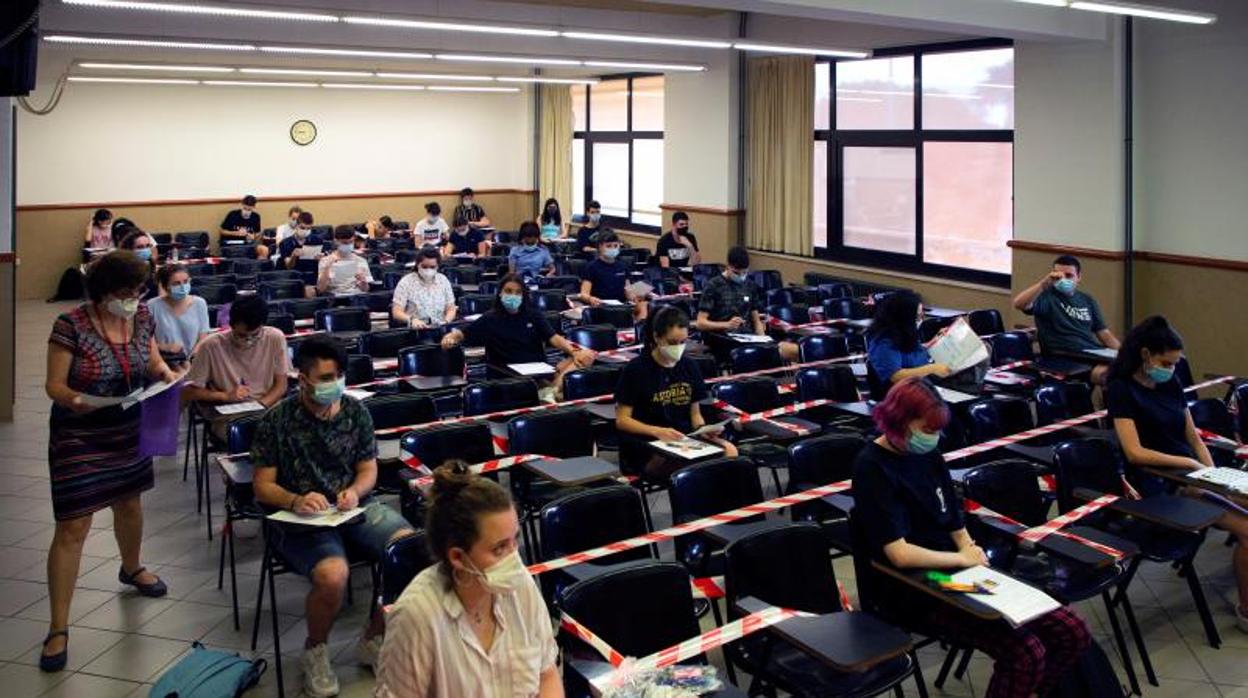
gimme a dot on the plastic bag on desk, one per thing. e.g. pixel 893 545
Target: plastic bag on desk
pixel 678 681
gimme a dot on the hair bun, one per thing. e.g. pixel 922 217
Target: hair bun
pixel 449 479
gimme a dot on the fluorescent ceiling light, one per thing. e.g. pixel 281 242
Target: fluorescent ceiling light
pixel 435 76
pixel 555 81
pixel 301 71
pixel 356 86
pixel 197 9
pixel 1050 3
pixel 465 88
pixel 146 43
pixel 634 39
pixel 257 83
pixel 137 81
pixel 679 67
pixel 465 26
pixel 474 58
pixel 1149 11
pixel 802 50
pixel 152 66
pixel 315 51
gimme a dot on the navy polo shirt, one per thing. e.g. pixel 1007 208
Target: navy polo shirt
pixel 510 338
pixel 607 279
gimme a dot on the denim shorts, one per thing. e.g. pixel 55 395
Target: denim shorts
pixel 303 547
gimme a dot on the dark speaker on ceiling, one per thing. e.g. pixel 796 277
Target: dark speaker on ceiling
pixel 19 32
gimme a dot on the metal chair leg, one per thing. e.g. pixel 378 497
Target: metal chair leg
pixel 946 666
pixel 964 664
pixel 190 439
pixel 919 683
pixel 264 572
pixel 225 537
pixel 277 636
pixel 1202 606
pixel 1134 626
pixel 208 501
pixel 1121 641
pixel 233 580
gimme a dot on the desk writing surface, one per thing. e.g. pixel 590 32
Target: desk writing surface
pixel 730 532
pixel 435 382
pixel 848 642
pixel 572 471
pixel 917 579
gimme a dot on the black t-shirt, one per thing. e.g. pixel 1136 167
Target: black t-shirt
pixel 585 237
pixel 607 279
pixel 234 220
pixel 1160 416
pixel 287 247
pixel 510 339
pixel 466 243
pixel 661 396
pixel 677 254
pixel 904 495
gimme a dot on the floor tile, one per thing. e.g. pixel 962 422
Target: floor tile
pixel 185 620
pixel 18 635
pixel 85 685
pixel 16 594
pixel 84 601
pixel 85 644
pixel 27 680
pixel 125 613
pixel 135 658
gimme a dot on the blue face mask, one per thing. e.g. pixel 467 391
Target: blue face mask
pixel 530 246
pixel 346 248
pixel 180 291
pixel 329 393
pixel 511 302
pixel 1159 374
pixel 922 442
pixel 1065 286
pixel 738 277
pixel 144 253
pixel 610 252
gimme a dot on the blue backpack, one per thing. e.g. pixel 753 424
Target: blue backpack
pixel 206 673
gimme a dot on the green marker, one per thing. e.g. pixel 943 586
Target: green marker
pixel 938 577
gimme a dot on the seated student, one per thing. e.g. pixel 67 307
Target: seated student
pixel 288 249
pixel 910 514
pixel 893 348
pixel 432 229
pixel 287 229
pixel 678 247
pixel 730 303
pixel 181 319
pixel 470 211
pixel 1149 411
pixel 243 225
pixel 591 223
pixel 349 282
pixel 248 362
pixel 144 246
pixel 1067 320
pixel 513 333
pixel 313 451
pixel 379 229
pixel 658 396
pixel 474 623
pixel 465 239
pixel 605 279
pixel 424 297
pixel 99 235
pixel 551 221
pixel 530 259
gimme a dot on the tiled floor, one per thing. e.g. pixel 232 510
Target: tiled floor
pixel 120 642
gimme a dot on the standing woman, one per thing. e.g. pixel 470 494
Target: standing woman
pixel 181 319
pixel 99 234
pixel 551 221
pixel 105 347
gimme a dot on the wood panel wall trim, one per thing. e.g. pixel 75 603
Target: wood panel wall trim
pixel 1032 246
pixel 235 200
pixel 1189 261
pixel 829 264
pixel 712 210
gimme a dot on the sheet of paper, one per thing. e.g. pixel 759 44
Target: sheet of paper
pixel 310 251
pixel 688 449
pixel 953 397
pixel 609 301
pixel 98 401
pixel 859 370
pixel 1016 601
pixel 958 347
pixel 152 391
pixel 535 368
pixel 750 338
pixel 710 428
pixel 1232 478
pixel 240 407
pixel 1005 378
pixel 357 393
pixel 1103 352
pixel 331 517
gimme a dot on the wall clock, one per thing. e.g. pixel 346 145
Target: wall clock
pixel 303 132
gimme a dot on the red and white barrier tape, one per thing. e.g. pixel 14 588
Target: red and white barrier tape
pixel 494 415
pixel 982 511
pixel 584 634
pixel 1050 527
pixel 788 367
pixel 779 324
pixel 1241 451
pixel 488 466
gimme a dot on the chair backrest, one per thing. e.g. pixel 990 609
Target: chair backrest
pixel 343 320
pixel 215 294
pixel 1240 394
pixel 766 279
pixel 707 488
pixel 247 265
pixel 557 433
pixel 595 337
pixel 239 433
pixel 707 269
pixel 391 279
pixel 1094 464
pixel 431 360
pixel 496 395
pixel 788 566
pixel 755 357
pixel 1010 487
pixel 435 445
pixel 1012 346
pixel 200 272
pixel 986 321
pixel 374 301
pixel 359 369
pixel 1058 401
pixel 823 460
pixel 1212 415
pixel 305 308
pixel 567 284
pixel 836 289
pixel 659 601
pixel 794 314
pixel 278 275
pixel 820 347
pixel 992 418
pixel 192 253
pixel 385 344
pixel 475 303
pixel 592 381
pixel 210 279
pixel 463 274
pixel 838 308
pixel 281 289
pixel 753 394
pixel 549 299
pixel 707 366
pixel 791 295
pixel 587 519
pixel 389 411
pixel 402 561
pixel 1183 371
pixel 238 251
pixel 193 238
pixel 617 316
pixel 930 327
pixel 282 321
pixel 836 383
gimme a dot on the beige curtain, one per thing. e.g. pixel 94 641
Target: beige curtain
pixel 554 168
pixel 779 145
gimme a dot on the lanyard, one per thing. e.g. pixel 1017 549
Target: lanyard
pixel 123 356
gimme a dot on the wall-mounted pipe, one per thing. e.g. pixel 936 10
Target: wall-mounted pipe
pixel 1128 174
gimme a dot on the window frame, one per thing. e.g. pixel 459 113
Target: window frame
pixel 590 137
pixel 913 138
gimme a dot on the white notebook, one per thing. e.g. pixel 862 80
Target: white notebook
pixel 535 368
pixel 688 449
pixel 750 338
pixel 240 407
pixel 331 517
pixel 1017 602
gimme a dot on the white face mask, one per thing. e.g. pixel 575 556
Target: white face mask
pixel 123 309
pixel 672 352
pixel 503 576
pixel 427 274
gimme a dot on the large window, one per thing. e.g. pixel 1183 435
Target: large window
pixel 617 152
pixel 914 153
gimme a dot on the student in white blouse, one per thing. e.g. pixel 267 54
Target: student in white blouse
pixel 473 624
pixel 424 298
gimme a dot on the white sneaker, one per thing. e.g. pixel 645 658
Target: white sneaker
pixel 368 650
pixel 319 680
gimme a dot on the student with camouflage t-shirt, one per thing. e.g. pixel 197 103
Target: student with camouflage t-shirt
pixel 1067 320
pixel 314 451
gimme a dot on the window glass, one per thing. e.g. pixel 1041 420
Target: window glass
pixel 647 181
pixel 608 106
pixel 823 97
pixel 968 90
pixel 875 94
pixel 578 176
pixel 648 103
pixel 968 213
pixel 820 214
pixel 879 195
pixel 611 178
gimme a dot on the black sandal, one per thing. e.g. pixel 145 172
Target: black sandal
pixel 155 590
pixel 52 663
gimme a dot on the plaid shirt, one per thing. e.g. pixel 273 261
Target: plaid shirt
pixel 723 299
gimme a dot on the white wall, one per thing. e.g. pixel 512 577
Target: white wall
pixel 115 142
pixel 700 150
pixel 1191 150
pixel 1068 143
